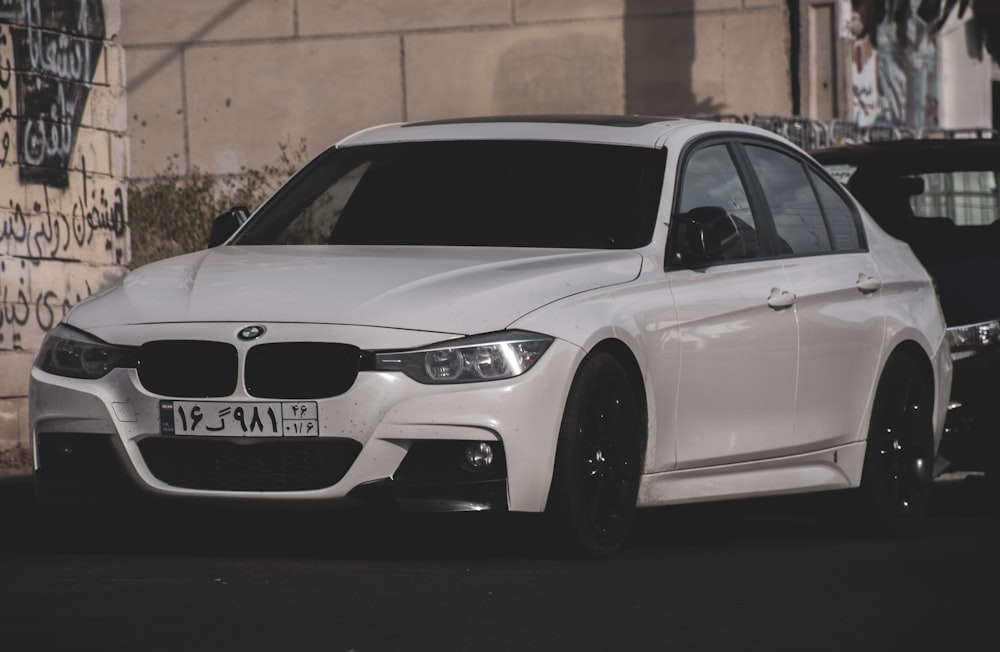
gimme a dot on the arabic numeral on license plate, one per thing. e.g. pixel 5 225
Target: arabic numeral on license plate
pixel 299 419
pixel 250 419
pixel 300 410
pixel 300 428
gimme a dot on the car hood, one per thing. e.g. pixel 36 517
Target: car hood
pixel 442 289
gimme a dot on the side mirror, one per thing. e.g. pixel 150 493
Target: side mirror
pixel 704 234
pixel 225 225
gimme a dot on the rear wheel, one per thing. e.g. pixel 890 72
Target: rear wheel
pixel 598 459
pixel 899 459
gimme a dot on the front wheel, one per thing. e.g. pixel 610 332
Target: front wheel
pixel 899 459
pixel 599 455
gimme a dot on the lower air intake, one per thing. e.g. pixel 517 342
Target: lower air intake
pixel 239 464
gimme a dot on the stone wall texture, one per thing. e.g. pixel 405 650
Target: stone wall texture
pixel 63 170
pixel 218 84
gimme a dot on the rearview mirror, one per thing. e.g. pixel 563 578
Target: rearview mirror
pixel 704 234
pixel 225 225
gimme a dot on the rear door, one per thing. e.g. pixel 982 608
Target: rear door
pixel 838 295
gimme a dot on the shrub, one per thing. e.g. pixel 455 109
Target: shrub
pixel 15 460
pixel 172 213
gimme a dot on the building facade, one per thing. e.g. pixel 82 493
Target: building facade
pixel 218 84
pixel 63 171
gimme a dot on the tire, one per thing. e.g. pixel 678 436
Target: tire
pixel 899 457
pixel 599 457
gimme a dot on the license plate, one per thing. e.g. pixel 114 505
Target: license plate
pixel 256 419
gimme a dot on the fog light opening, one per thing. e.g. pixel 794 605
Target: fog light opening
pixel 478 457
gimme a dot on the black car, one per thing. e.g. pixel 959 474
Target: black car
pixel 942 197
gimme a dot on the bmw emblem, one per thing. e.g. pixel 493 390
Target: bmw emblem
pixel 251 333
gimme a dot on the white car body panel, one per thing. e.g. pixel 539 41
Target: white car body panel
pixel 384 411
pixel 729 336
pixel 738 394
pixel 841 337
pixel 413 288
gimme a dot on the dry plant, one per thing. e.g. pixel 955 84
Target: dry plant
pixel 172 213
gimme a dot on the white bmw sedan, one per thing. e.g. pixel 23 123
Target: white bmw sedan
pixel 575 315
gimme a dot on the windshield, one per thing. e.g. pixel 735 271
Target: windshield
pixel 468 193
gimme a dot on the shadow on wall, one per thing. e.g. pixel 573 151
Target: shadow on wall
pixel 585 71
pixel 559 75
pixel 659 57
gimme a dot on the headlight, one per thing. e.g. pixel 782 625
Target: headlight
pixel 969 339
pixel 469 360
pixel 69 352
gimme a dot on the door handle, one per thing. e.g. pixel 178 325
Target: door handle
pixel 868 284
pixel 780 299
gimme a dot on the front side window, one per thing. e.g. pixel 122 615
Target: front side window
pixel 710 179
pixel 468 193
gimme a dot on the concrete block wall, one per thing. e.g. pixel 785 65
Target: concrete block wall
pixel 63 176
pixel 218 84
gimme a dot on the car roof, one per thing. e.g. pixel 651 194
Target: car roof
pixel 913 156
pixel 641 131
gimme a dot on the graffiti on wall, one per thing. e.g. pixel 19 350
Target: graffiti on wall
pixel 63 231
pixel 42 233
pixel 56 47
pixel 24 308
pixel 32 299
pixel 893 65
pixel 863 79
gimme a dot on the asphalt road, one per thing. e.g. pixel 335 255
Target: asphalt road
pixel 760 575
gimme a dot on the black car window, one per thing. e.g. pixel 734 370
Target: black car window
pixel 840 219
pixel 710 179
pixel 966 197
pixel 317 220
pixel 468 193
pixel 789 194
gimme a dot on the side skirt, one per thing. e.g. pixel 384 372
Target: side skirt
pixel 832 468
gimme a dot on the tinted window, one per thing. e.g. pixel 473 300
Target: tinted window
pixel 469 193
pixel 839 216
pixel 967 198
pixel 793 204
pixel 710 179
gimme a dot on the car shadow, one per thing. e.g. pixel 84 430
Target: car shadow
pixel 154 527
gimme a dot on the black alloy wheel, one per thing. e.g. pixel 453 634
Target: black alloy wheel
pixel 599 458
pixel 899 459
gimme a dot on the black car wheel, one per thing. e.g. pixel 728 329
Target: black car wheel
pixel 899 459
pixel 598 458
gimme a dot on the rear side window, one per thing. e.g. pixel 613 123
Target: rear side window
pixel 839 216
pixel 794 206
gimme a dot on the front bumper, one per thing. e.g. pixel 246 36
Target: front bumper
pixel 387 437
